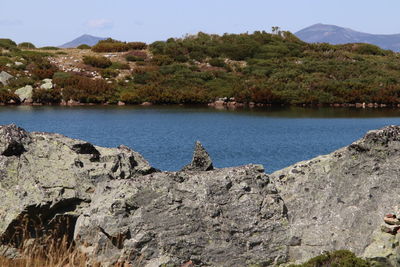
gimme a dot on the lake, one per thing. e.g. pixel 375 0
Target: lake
pixel 165 135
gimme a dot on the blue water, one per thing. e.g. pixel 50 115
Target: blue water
pixel 165 136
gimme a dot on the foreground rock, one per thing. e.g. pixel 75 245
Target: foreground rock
pixel 116 207
pixel 338 201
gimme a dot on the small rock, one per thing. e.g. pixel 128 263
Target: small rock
pixel 146 104
pixel 120 103
pixel 390 229
pixel 47 84
pixel 392 221
pixel 201 160
pixel 4 77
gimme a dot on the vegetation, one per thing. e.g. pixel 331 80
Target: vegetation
pixel 26 45
pixel 49 48
pixel 111 45
pixel 97 62
pixel 84 46
pixel 7 44
pixel 340 258
pixel 265 68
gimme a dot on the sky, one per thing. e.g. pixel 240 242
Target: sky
pixel 54 22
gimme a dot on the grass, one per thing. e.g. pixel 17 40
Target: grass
pixel 51 254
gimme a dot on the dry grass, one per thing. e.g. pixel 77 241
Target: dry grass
pixel 52 254
pixel 36 246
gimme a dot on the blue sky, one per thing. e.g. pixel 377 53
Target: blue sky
pixel 46 22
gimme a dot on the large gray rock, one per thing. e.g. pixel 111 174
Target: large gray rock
pixel 117 207
pixel 43 175
pixel 4 77
pixel 338 201
pixel 25 93
pixel 226 217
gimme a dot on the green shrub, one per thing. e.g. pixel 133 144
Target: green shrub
pixel 161 60
pixel 111 45
pixel 339 258
pixel 119 66
pixel 19 82
pixel 217 62
pixel 84 46
pixel 137 45
pixel 109 73
pixel 5 60
pixel 136 56
pixel 84 89
pixel 44 96
pixel 26 45
pixel 61 75
pixel 43 69
pixel 7 96
pixel 49 48
pixel 97 62
pixel 7 43
pixel 32 56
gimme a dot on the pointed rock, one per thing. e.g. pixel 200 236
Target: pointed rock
pixel 201 160
pixel 12 140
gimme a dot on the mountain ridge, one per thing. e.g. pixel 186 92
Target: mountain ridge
pixel 83 39
pixel 333 34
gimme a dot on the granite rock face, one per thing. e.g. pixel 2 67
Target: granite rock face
pixel 337 201
pixel 116 207
pixel 44 175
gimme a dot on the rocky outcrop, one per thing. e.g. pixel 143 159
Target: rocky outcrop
pixel 337 201
pixel 43 176
pixel 114 206
pixel 118 208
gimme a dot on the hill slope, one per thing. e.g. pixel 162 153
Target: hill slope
pixel 84 39
pixel 322 33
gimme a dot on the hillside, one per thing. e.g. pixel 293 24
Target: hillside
pixel 234 69
pixel 322 33
pixel 84 39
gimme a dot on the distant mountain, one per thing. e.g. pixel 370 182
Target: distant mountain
pixel 322 33
pixel 84 39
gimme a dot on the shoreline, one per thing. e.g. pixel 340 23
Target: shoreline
pixel 217 105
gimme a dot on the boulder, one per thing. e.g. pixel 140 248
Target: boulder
pixel 225 217
pixel 47 84
pixel 4 77
pixel 25 93
pixel 201 160
pixel 337 201
pixel 118 208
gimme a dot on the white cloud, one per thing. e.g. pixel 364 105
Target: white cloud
pixel 100 24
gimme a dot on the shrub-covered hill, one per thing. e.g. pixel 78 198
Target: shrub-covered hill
pixel 260 67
